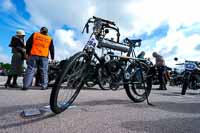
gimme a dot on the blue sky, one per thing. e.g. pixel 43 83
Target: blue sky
pixel 170 27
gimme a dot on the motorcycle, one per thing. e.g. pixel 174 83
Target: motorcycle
pixel 155 72
pixel 176 78
pixel 191 76
pixel 118 69
pixel 54 69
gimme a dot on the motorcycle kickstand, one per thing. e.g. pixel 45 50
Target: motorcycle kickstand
pixel 148 98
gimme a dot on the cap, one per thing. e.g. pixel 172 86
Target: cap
pixel 44 30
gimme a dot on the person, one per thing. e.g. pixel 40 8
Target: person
pixel 18 55
pixel 141 55
pixel 38 47
pixel 160 64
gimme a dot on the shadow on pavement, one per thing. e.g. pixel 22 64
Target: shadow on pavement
pixel 17 110
pixel 188 93
pixel 192 108
pixel 50 86
pixel 127 103
pixel 11 109
pixel 27 121
pixel 104 102
pixel 170 125
pixel 20 87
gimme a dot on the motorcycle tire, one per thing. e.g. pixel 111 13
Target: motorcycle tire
pixel 185 85
pixel 68 84
pixel 132 88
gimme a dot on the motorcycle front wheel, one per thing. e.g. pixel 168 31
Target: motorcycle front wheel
pixel 68 83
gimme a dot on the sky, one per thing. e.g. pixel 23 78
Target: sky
pixel 169 27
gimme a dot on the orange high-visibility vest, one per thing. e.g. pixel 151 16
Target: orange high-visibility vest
pixel 40 45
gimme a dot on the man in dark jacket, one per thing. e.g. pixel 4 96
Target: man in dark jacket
pixel 38 47
pixel 160 64
pixel 18 49
pixel 141 55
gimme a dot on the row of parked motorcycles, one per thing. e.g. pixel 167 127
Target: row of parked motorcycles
pixel 117 67
pixel 188 78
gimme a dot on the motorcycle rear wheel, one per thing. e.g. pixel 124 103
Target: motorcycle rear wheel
pixel 139 90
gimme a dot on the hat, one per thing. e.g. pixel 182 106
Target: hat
pixel 20 32
pixel 44 30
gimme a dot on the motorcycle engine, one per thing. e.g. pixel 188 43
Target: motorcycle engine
pixel 113 66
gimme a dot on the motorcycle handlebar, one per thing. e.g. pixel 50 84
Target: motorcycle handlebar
pixel 133 42
pixel 107 21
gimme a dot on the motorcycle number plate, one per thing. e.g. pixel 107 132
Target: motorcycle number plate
pixel 91 42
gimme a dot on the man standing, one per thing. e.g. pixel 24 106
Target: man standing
pixel 141 55
pixel 160 64
pixel 18 50
pixel 38 47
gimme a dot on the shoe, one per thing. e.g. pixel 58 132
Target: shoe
pixel 23 88
pixel 7 85
pixel 44 88
pixel 14 86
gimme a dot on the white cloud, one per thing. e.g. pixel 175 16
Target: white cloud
pixel 133 17
pixel 7 5
pixel 12 20
pixel 65 44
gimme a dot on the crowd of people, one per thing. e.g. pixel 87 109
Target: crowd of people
pixel 36 53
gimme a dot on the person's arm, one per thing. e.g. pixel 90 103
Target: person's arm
pixel 51 49
pixel 12 42
pixel 29 44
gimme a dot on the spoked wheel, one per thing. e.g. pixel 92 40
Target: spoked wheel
pixel 68 83
pixel 103 79
pixel 140 84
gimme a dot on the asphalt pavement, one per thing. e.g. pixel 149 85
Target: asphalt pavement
pixel 97 111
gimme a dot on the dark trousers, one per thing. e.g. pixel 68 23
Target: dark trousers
pixel 161 70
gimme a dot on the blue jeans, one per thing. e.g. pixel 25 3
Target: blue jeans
pixel 33 62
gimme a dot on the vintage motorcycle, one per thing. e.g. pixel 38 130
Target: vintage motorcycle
pixel 191 76
pixel 118 70
pixel 54 69
pixel 176 78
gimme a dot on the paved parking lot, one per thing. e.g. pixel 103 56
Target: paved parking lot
pixel 96 111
